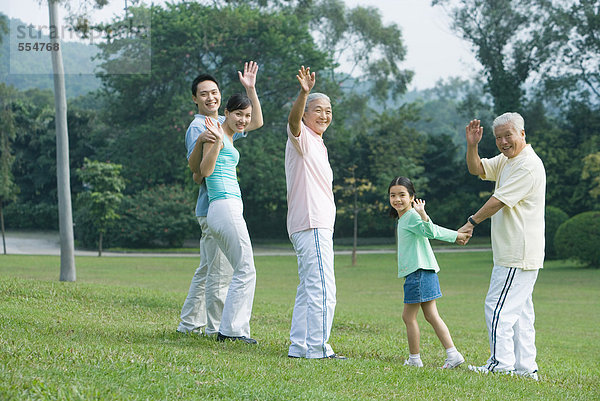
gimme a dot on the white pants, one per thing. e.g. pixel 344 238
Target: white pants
pixel 509 317
pixel 226 222
pixel 203 306
pixel 315 297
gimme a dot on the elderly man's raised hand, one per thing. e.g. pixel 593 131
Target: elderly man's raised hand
pixel 306 78
pixel 474 132
pixel 248 78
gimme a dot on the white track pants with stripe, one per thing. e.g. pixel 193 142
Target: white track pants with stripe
pixel 226 222
pixel 509 317
pixel 315 297
pixel 203 306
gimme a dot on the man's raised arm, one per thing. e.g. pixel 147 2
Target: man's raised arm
pixel 474 133
pixel 307 82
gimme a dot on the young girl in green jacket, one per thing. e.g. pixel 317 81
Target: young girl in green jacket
pixel 417 264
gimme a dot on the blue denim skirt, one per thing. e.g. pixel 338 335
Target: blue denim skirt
pixel 421 286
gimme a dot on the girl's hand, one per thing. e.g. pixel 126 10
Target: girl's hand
pixel 306 78
pixel 462 238
pixel 248 78
pixel 419 206
pixel 215 130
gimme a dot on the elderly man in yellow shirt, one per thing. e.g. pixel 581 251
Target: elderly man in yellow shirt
pixel 516 209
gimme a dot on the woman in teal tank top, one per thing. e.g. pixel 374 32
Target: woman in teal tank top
pixel 225 216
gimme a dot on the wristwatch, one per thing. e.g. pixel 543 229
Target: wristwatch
pixel 471 220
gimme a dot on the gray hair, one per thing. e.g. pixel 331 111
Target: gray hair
pixel 314 96
pixel 515 120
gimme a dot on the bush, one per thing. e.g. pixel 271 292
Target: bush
pixel 29 215
pixel 554 217
pixel 578 238
pixel 158 216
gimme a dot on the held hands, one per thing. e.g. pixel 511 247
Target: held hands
pixel 248 78
pixel 306 78
pixel 474 132
pixel 467 230
pixel 462 238
pixel 215 130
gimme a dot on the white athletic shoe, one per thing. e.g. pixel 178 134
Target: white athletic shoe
pixel 484 369
pixel 414 362
pixel 530 375
pixel 479 369
pixel 454 362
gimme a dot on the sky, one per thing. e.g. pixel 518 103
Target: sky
pixel 433 51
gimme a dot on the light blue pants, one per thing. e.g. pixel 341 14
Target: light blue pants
pixel 315 297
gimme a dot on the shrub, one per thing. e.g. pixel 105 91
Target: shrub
pixel 578 238
pixel 554 218
pixel 158 216
pixel 30 215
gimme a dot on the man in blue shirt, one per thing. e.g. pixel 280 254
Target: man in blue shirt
pixel 203 306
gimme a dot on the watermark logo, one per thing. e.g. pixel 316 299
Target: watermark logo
pixel 122 47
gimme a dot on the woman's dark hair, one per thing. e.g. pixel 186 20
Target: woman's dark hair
pixel 202 78
pixel 238 102
pixel 406 183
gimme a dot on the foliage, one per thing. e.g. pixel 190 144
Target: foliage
pixel 553 217
pixel 102 194
pixel 358 38
pixel 591 172
pixel 148 130
pixel 570 38
pixel 350 199
pixel 159 216
pixel 8 188
pixel 507 55
pixel 578 238
pixel 34 148
pixel 87 332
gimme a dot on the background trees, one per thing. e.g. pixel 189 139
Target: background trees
pixel 544 69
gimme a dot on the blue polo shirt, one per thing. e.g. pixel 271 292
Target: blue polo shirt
pixel 198 126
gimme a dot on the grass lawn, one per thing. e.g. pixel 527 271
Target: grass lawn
pixel 111 335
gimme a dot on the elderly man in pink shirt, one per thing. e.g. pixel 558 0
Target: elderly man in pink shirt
pixel 310 219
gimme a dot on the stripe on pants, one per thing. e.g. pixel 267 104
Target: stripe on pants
pixel 496 316
pixel 321 273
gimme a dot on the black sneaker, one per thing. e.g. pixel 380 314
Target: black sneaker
pixel 247 340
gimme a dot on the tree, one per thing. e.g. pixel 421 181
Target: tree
pixel 570 39
pixel 3 26
pixel 8 189
pixel 351 201
pixel 102 195
pixel 506 44
pixel 591 172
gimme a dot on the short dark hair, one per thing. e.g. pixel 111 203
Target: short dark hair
pixel 202 78
pixel 406 183
pixel 238 101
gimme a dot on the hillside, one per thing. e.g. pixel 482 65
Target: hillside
pixel 34 68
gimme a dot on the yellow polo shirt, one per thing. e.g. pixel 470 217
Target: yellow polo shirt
pixel 518 228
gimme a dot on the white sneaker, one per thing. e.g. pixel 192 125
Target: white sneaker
pixel 414 362
pixel 484 369
pixel 479 369
pixel 454 362
pixel 530 375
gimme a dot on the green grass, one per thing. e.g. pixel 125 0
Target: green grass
pixel 111 335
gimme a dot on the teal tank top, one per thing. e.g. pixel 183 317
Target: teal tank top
pixel 223 183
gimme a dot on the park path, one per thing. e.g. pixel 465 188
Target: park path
pixel 48 243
